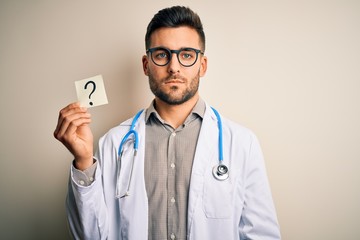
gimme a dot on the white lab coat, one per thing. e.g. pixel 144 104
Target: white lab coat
pixel 240 207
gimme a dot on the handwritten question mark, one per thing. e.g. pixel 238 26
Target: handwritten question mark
pixel 93 90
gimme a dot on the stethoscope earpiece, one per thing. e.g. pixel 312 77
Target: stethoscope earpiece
pixel 221 172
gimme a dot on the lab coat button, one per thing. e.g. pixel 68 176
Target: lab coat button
pixel 172 236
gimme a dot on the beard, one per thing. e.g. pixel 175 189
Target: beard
pixel 174 96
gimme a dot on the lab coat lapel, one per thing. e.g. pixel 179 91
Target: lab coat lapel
pixel 205 157
pixel 134 208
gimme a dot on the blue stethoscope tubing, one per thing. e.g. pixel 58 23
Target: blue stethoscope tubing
pixel 220 171
pixel 219 122
pixel 128 134
pixel 132 131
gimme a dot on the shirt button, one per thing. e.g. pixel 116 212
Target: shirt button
pixel 172 200
pixel 172 165
pixel 91 179
pixel 172 236
pixel 173 134
pixel 81 182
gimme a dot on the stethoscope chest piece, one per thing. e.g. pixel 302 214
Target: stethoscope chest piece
pixel 220 172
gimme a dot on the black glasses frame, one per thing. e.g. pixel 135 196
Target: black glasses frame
pixel 151 50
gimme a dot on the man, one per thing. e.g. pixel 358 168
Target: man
pixel 161 174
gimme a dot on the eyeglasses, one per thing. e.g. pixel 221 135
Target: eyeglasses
pixel 162 56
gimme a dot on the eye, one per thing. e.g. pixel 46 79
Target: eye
pixel 187 54
pixel 161 54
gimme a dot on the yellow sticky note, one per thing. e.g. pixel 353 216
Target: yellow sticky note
pixel 91 91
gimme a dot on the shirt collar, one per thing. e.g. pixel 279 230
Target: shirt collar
pixel 199 109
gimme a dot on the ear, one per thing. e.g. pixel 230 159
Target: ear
pixel 145 63
pixel 203 66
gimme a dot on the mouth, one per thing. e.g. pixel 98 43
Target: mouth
pixel 174 79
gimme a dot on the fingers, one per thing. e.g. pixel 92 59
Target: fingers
pixel 70 126
pixel 74 132
pixel 71 108
pixel 70 118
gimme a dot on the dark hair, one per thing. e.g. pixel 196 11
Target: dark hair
pixel 173 17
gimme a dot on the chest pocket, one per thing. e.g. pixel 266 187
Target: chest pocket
pixel 218 200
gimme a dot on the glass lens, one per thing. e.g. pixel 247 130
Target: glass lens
pixel 187 57
pixel 161 56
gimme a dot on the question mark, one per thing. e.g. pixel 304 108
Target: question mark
pixel 94 87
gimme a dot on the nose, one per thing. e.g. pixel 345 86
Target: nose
pixel 174 64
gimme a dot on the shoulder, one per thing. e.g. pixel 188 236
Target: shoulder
pixel 232 130
pixel 124 126
pixel 237 130
pixel 120 130
pixel 240 138
pixel 115 134
pixel 227 124
pixel 236 127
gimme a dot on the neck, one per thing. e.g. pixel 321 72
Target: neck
pixel 175 115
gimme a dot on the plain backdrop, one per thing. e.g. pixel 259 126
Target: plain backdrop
pixel 288 70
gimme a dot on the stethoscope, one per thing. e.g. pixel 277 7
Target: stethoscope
pixel 219 171
pixel 132 131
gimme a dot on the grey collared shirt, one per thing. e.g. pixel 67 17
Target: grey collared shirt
pixel 169 155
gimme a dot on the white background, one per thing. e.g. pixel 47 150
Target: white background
pixel 289 70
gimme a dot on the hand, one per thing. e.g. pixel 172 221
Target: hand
pixel 74 132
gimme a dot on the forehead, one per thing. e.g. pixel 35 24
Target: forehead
pixel 175 38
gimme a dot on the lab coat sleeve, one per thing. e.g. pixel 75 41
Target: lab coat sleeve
pixel 258 220
pixel 86 209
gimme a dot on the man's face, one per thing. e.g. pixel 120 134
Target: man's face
pixel 173 83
